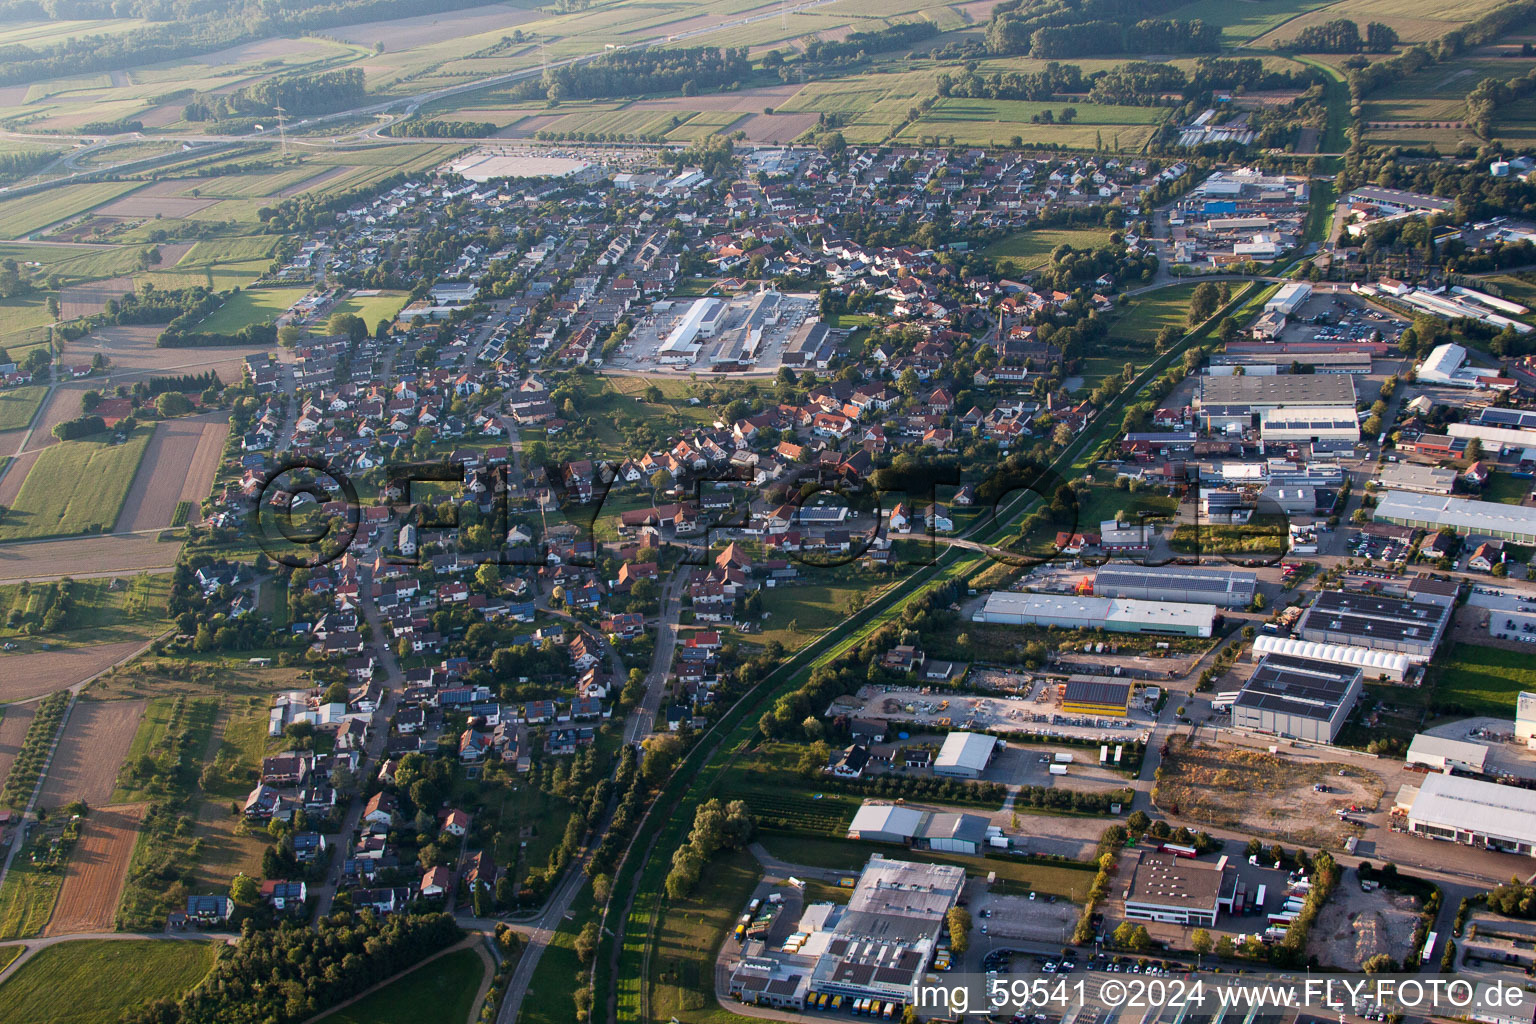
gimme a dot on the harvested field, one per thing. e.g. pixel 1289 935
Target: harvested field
pixel 63 404
pixel 134 355
pixel 764 128
pixel 32 675
pixel 409 33
pixel 97 866
pixel 1355 926
pixel 10 485
pixel 13 729
pixel 148 206
pixel 85 299
pixel 178 466
pixel 527 126
pixel 96 739
pixel 1260 792
pixel 747 101
pixel 316 181
pixel 84 557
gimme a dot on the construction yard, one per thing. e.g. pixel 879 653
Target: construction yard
pixel 1356 925
pixel 1263 794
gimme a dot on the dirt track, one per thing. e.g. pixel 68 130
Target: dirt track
pixel 178 466
pixel 23 676
pixel 95 742
pixel 13 729
pixel 98 866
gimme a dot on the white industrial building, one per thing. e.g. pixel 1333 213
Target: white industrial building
pixel 1410 476
pixel 945 831
pixel 1374 664
pixel 1443 754
pixel 1496 440
pixel 1311 423
pixel 1232 402
pixel 1468 517
pixel 1525 717
pixel 701 320
pixel 965 755
pixel 1297 698
pixel 1177 890
pixel 1115 615
pixel 1471 812
pixel 1290 298
pixel 1411 626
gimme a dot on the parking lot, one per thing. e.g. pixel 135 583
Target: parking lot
pixel 1331 317
pixel 1003 916
pixel 1033 710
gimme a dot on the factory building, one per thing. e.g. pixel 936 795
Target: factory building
pixel 1114 615
pixel 1467 517
pixel 1375 665
pixel 1310 423
pixel 1525 717
pixel 943 831
pixel 1232 402
pixel 1412 626
pixel 1297 698
pixel 1290 298
pixel 1471 812
pixel 1226 588
pixel 1441 754
pixel 1096 695
pixel 965 755
pixel 1177 890
pixel 701 320
pixel 1410 476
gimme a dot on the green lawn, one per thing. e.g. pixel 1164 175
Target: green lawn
pixel 93 981
pixel 9 954
pixel 690 932
pixel 441 992
pixel 25 214
pixel 1506 489
pixel 252 306
pixel 1153 311
pixel 385 305
pixel 19 405
pixel 1030 250
pixel 150 740
pixel 1485 680
pixel 75 487
pixel 99 611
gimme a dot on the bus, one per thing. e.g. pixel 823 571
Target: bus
pixel 1429 946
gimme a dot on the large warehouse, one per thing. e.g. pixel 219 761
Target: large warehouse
pixel 1409 626
pixel 1310 423
pixel 944 831
pixel 1468 517
pixel 1289 298
pixel 1116 615
pixel 1297 698
pixel 965 755
pixel 1388 665
pixel 1228 588
pixel 1473 813
pixel 1443 754
pixel 1234 401
pixel 1179 890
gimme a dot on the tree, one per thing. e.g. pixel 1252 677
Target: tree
pixel 172 403
pixel 1138 821
pixel 1202 303
pixel 1381 963
pixel 1200 941
pixel 244 890
pixel 336 693
pixel 586 943
pixel 959 920
pixel 488 575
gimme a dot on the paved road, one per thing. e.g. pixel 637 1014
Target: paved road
pixel 378 735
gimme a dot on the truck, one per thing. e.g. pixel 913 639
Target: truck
pixel 1063 758
pixel 1259 898
pixel 1058 769
pixel 1180 851
pixel 998 842
pixel 1103 754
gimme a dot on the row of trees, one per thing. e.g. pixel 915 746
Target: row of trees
pixel 423 128
pixel 1343 36
pixel 319 93
pixel 631 72
pixel 1150 35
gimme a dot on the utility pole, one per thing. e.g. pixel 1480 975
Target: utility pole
pixel 282 128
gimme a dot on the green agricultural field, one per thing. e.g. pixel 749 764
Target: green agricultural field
pixel 1242 20
pixel 1150 313
pixel 1030 250
pixel 150 738
pixel 1485 680
pixel 103 978
pixel 8 954
pixel 442 990
pixel 26 899
pixel 74 487
pixel 19 405
pixel 1416 21
pixel 252 306
pixel 24 324
pixel 705 122
pixel 25 214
